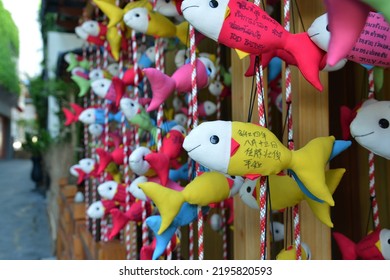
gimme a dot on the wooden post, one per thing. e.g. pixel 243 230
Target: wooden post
pixel 311 119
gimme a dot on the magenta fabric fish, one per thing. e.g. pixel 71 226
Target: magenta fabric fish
pixel 163 86
pixel 347 18
pixel 242 25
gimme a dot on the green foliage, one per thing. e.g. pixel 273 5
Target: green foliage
pixel 9 51
pixel 41 89
pixel 37 143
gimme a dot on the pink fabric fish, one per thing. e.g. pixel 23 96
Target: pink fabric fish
pixel 373 45
pixel 346 21
pixel 163 86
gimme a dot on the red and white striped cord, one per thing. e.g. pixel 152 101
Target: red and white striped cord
pixel 218 79
pixel 85 142
pixel 263 180
pixel 191 253
pixel 224 231
pixel 195 121
pixel 296 218
pixel 371 160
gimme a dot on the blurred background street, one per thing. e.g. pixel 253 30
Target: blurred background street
pixel 24 226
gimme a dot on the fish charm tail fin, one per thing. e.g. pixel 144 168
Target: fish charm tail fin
pixel 82 83
pixel 182 33
pixel 162 240
pixel 347 247
pixel 168 202
pixel 119 221
pixel 162 87
pixel 104 159
pixel 307 56
pixel 69 117
pixel 308 164
pixel 322 210
pixel 114 13
pixel 114 38
pixel 160 163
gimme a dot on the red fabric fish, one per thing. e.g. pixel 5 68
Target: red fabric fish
pixel 247 28
pixel 147 250
pixel 374 246
pixel 116 156
pixel 72 117
pixel 120 219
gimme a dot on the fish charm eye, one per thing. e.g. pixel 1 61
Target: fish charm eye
pixel 327 28
pixel 214 139
pixel 383 123
pixel 213 4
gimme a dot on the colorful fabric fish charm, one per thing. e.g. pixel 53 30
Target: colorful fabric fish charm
pixel 347 27
pixel 167 156
pixel 163 86
pixel 116 156
pixel 242 25
pixel 285 192
pixel 137 115
pixel 209 187
pixel 371 127
pixel 112 190
pixel 370 48
pixel 75 60
pixel 120 219
pixel 146 252
pixel 187 214
pixel 249 150
pixel 291 254
pixel 375 246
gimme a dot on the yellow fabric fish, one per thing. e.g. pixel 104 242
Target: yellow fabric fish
pixel 249 150
pixel 114 37
pixel 285 192
pixel 209 187
pixel 290 253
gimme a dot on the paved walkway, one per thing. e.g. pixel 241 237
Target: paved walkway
pixel 24 227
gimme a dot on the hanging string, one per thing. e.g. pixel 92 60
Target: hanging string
pixel 222 204
pixel 371 160
pixel 290 137
pixel 263 179
pixel 218 79
pixel 195 121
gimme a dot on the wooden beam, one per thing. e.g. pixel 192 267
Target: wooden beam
pixel 311 116
pixel 311 120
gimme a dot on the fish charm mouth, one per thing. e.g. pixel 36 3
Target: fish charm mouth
pixel 194 148
pixel 314 35
pixel 192 6
pixel 364 134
